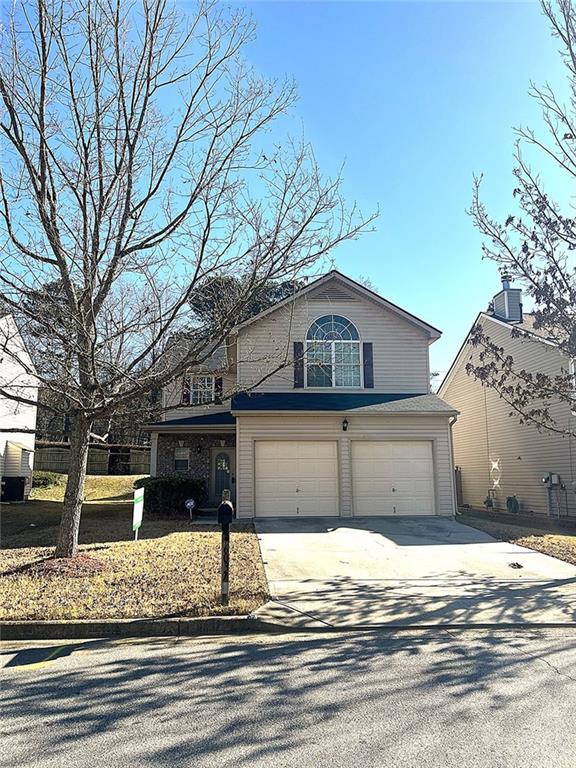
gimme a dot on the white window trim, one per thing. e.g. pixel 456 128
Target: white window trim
pixel 358 341
pixel 191 377
pixel 185 458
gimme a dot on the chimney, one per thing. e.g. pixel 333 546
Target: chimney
pixel 507 304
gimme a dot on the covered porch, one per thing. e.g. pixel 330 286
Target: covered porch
pixel 200 448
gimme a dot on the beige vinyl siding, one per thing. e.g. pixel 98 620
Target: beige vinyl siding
pixel 289 426
pixel 13 461
pixel 17 379
pixel 470 436
pixel 173 396
pixel 493 449
pixel 400 349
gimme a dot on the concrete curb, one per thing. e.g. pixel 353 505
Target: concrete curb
pixel 228 625
pixel 171 627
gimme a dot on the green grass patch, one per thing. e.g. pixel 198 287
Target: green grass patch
pixel 42 479
pixel 99 488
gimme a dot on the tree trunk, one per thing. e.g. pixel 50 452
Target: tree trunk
pixel 67 544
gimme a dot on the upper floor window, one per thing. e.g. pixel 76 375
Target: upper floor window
pixel 333 353
pixel 198 389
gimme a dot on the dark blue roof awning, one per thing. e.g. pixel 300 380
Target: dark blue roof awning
pixel 312 401
pixel 222 418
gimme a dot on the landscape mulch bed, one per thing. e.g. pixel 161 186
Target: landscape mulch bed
pixel 66 567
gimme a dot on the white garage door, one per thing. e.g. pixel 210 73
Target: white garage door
pixel 393 478
pixel 296 478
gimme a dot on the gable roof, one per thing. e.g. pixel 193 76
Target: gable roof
pixel 526 326
pixel 432 332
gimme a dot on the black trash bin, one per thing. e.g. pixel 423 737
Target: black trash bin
pixel 13 488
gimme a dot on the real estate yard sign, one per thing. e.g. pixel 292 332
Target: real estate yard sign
pixel 138 511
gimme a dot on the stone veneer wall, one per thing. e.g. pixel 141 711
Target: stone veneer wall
pixel 199 462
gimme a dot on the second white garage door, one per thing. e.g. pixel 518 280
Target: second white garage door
pixel 296 478
pixel 392 478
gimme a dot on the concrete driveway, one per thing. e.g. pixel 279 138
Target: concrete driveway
pixel 365 572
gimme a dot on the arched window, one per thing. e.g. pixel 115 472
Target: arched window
pixel 333 353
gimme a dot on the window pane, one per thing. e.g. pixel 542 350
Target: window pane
pixel 332 327
pixel 181 459
pixel 347 375
pixel 319 375
pixel 202 390
pixel 344 328
pixel 347 353
pixel 319 352
pixel 319 364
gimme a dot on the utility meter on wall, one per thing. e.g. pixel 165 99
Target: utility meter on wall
pixel 551 479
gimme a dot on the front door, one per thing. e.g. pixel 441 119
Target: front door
pixel 223 473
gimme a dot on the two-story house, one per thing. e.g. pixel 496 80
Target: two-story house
pixel 497 457
pixel 323 408
pixel 17 418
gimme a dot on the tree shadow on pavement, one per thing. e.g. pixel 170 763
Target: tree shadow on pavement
pixel 262 702
pixel 454 598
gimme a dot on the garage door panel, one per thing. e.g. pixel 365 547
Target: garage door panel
pixel 393 477
pixel 314 486
pixel 296 478
pixel 315 467
pixel 279 487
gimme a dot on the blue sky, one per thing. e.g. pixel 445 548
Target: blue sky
pixel 415 98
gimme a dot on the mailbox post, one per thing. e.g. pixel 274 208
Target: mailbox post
pixel 225 517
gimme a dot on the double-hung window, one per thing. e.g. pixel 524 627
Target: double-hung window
pixel 198 389
pixel 181 459
pixel 333 357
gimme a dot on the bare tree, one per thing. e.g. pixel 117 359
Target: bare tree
pixel 131 176
pixel 536 244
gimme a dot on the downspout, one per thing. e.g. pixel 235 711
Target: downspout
pixel 451 423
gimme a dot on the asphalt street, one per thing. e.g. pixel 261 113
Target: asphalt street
pixel 418 699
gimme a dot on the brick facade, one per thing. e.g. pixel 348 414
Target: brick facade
pixel 200 454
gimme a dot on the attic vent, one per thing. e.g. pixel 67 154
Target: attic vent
pixel 332 294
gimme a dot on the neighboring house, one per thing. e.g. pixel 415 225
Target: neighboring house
pixel 496 456
pixel 17 420
pixel 123 450
pixel 324 408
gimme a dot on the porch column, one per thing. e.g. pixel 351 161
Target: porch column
pixel 153 453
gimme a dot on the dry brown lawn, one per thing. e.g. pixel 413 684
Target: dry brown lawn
pixel 559 545
pixel 173 570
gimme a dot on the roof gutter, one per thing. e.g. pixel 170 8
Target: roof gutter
pixel 167 427
pixel 352 411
